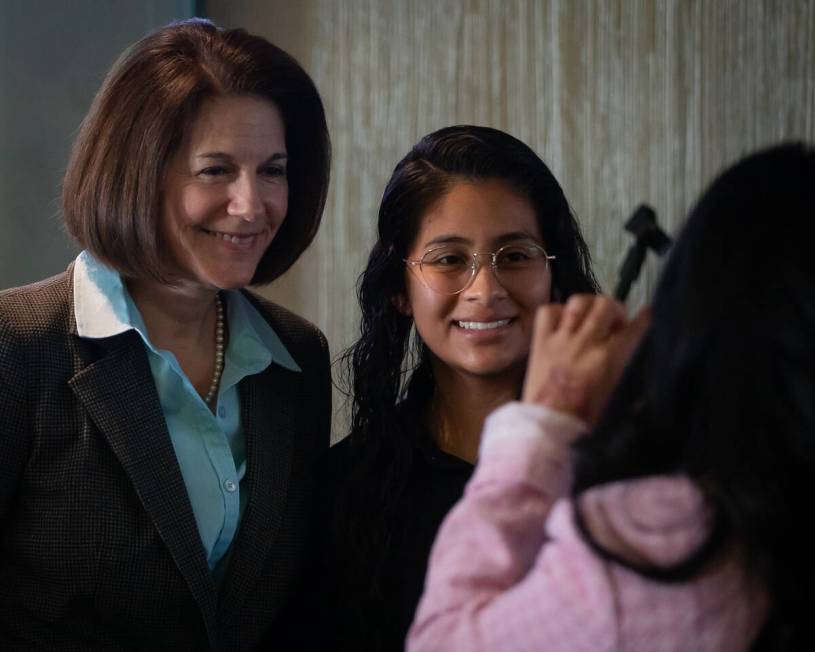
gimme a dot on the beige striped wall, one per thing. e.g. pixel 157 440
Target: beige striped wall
pixel 626 100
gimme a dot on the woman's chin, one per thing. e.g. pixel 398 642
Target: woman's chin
pixel 228 279
pixel 232 284
pixel 213 283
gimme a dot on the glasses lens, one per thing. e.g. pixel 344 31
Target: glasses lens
pixel 519 263
pixel 447 269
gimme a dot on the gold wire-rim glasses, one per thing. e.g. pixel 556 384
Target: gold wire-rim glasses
pixel 474 265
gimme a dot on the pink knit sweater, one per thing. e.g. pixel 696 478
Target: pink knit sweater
pixel 509 571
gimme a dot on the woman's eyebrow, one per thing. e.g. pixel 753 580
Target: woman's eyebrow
pixel 514 236
pixel 223 156
pixel 449 238
pixel 219 156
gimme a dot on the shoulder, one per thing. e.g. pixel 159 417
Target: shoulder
pixel 36 309
pixel 651 523
pixel 305 342
pixel 349 454
pixel 658 520
pixel 335 461
pixel 290 327
pixel 404 435
pixel 35 321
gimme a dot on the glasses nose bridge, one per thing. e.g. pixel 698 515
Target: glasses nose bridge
pixel 476 266
pixel 491 254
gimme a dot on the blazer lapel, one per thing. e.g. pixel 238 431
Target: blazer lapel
pixel 118 392
pixel 268 402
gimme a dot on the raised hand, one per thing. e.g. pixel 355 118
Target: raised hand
pixel 578 353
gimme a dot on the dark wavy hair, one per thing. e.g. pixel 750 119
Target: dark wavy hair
pixel 723 387
pixel 112 189
pixel 388 371
pixel 430 169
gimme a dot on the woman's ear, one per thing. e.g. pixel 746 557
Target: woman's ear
pixel 402 305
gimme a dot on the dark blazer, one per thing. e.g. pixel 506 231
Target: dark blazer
pixel 98 543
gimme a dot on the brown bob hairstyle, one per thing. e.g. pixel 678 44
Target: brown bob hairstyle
pixel 112 191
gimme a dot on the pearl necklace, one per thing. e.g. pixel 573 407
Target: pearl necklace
pixel 219 351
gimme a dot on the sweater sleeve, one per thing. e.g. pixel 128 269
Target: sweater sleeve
pixel 493 582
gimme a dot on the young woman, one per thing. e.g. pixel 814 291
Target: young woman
pixel 683 530
pixel 474 234
pixel 159 423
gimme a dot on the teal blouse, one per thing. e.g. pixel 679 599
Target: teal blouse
pixel 210 448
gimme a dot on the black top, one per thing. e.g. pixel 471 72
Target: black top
pixel 376 591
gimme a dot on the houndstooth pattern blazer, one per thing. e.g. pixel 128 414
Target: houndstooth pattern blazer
pixel 98 542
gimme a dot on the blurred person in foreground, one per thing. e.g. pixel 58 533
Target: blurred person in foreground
pixel 681 528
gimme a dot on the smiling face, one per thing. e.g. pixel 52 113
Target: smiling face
pixel 225 192
pixel 486 329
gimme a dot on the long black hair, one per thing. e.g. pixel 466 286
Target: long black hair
pixel 388 371
pixel 377 360
pixel 723 387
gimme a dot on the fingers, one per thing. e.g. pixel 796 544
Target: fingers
pixel 575 310
pixel 578 352
pixel 601 317
pixel 605 317
pixel 547 319
pixel 642 321
pixel 629 337
pixel 590 317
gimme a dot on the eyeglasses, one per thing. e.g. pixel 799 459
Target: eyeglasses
pixel 450 269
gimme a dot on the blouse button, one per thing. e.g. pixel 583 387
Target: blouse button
pixel 230 486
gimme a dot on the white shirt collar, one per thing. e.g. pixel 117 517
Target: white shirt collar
pixel 101 310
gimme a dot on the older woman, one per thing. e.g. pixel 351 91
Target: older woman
pixel 158 421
